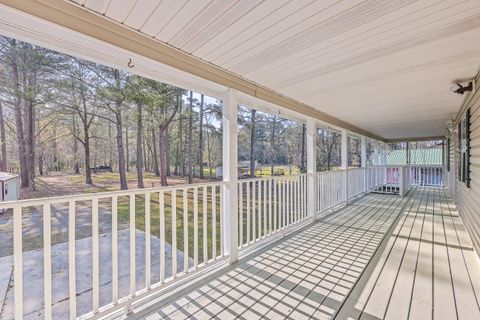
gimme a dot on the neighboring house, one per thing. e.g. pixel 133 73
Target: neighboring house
pixel 427 165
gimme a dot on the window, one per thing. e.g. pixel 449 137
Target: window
pixel 464 149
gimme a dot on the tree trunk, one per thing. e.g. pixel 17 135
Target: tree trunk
pixel 41 158
pixel 126 150
pixel 110 144
pixel 30 126
pixel 119 126
pixel 190 134
pixel 167 153
pixel 24 178
pixel 163 155
pixel 272 155
pixel 200 137
pixel 86 146
pixel 76 167
pixel 139 153
pixel 252 144
pixel 3 142
pixel 155 154
pixel 209 156
pixel 145 155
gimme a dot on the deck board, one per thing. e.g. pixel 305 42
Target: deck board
pixel 381 257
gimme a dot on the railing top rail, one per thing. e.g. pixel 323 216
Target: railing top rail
pixel 284 177
pixel 102 195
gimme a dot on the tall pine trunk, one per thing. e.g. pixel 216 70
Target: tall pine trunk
pixel 127 150
pixel 272 154
pixel 163 155
pixel 86 146
pixel 24 178
pixel 155 154
pixel 167 154
pixel 119 126
pixel 200 137
pixel 76 166
pixel 139 152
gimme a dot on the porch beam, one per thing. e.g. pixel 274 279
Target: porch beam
pixel 79 19
pixel 311 168
pixel 414 139
pixel 230 175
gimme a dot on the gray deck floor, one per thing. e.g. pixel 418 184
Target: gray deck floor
pixel 382 257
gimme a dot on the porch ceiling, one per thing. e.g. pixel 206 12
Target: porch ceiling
pixel 383 66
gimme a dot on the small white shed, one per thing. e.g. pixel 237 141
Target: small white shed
pixel 9 187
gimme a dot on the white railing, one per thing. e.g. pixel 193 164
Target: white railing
pixel 136 242
pixel 356 182
pixel 330 189
pixel 269 205
pixel 120 246
pixel 427 175
pixel 375 176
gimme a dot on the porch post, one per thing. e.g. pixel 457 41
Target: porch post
pixel 311 168
pixel 344 163
pixel 363 156
pixel 230 175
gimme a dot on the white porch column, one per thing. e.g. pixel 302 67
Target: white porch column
pixel 311 168
pixel 363 156
pixel 344 163
pixel 230 175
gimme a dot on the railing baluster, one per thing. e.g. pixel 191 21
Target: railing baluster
pixel 214 222
pixel 161 202
pixel 18 262
pixel 114 249
pixel 185 230
pixel 240 209
pixel 254 211
pixel 259 212
pixel 148 270
pixel 275 205
pixel 47 261
pixel 95 258
pixel 248 212
pixel 284 203
pixel 222 249
pixel 270 196
pixel 195 227
pixel 72 276
pixel 265 208
pixel 174 233
pixel 133 271
pixel 205 241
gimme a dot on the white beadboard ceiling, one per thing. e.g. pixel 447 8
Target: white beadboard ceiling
pixel 383 65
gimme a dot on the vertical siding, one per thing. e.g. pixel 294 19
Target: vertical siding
pixel 468 199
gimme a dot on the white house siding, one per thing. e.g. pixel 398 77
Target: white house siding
pixel 468 199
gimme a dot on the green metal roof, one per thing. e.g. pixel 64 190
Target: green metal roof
pixel 417 157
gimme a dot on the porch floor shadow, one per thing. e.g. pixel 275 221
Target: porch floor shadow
pixel 381 257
